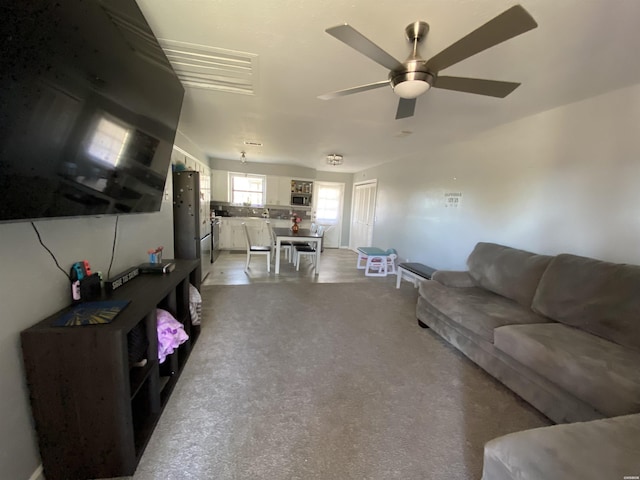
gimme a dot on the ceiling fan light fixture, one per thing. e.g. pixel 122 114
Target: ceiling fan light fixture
pixel 411 84
pixel 334 159
pixel 411 88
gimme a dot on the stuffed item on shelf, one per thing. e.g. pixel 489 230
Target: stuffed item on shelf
pixel 171 334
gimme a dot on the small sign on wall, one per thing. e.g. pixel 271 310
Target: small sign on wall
pixel 452 199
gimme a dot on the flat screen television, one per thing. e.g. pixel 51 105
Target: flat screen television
pixel 89 107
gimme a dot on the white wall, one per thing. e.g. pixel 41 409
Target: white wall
pixel 565 180
pixel 185 143
pixel 293 171
pixel 33 288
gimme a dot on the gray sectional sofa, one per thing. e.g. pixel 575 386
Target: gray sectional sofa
pixel 563 332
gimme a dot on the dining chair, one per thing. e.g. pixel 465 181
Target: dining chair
pixel 302 250
pixel 286 246
pixel 256 249
pixel 308 249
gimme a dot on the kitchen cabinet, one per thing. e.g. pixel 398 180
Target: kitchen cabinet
pixel 180 157
pixel 272 190
pixel 278 190
pixel 225 234
pixel 220 185
pixel 232 232
pixel 284 191
pixel 281 223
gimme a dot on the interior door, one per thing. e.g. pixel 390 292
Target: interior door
pixel 329 201
pixel 363 214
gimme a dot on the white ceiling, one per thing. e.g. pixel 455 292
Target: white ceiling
pixel 581 48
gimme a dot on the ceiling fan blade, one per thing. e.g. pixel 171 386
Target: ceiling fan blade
pixel 349 91
pixel 349 35
pixel 406 108
pixel 508 24
pixel 492 88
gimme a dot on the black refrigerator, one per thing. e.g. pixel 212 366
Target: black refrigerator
pixel 192 219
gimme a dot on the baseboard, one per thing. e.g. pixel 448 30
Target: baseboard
pixel 37 474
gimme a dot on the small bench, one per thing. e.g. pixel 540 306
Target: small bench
pixel 414 272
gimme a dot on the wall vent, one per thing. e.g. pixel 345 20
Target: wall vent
pixel 202 66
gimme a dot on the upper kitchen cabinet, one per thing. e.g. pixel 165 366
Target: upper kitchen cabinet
pixel 220 185
pixel 284 191
pixel 182 160
pixel 278 190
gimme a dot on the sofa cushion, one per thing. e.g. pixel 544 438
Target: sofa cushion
pixel 476 309
pixel 597 371
pixel 599 297
pixel 453 278
pixel 595 450
pixel 507 271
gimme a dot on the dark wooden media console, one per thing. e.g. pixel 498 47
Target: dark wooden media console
pixel 94 413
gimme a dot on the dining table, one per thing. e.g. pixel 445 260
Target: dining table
pixel 302 235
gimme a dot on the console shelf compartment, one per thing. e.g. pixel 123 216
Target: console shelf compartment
pixel 138 375
pixel 93 412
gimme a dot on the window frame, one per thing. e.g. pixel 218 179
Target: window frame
pixel 262 192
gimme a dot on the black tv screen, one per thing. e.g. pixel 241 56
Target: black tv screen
pixel 89 107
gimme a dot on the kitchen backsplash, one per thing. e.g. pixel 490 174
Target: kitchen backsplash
pixel 227 210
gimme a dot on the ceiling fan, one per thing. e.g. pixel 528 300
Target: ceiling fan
pixel 414 76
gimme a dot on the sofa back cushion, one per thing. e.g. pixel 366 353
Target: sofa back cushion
pixel 507 271
pixel 598 297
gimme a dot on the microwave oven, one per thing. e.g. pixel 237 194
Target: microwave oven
pixel 300 199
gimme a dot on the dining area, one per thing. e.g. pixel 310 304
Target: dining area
pixel 268 250
pixel 337 265
pixel 290 245
pixel 296 244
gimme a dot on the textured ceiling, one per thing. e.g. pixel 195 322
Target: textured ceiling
pixel 581 48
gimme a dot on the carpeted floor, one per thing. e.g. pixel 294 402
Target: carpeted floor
pixel 326 381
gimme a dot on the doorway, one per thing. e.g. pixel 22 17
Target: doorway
pixel 329 201
pixel 363 214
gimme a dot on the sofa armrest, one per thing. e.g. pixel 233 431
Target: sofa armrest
pixel 453 278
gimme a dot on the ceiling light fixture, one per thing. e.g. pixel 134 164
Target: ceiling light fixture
pixel 334 159
pixel 411 84
pixel 243 157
